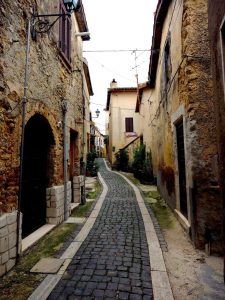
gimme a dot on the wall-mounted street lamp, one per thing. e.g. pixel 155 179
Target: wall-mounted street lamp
pixel 70 4
pixel 43 25
pixel 97 112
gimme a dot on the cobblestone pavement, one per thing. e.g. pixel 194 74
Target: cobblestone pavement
pixel 113 262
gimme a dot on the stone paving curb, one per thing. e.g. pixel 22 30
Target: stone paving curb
pixel 50 281
pixel 160 280
pixel 158 230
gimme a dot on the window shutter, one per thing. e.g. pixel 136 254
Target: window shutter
pixel 65 33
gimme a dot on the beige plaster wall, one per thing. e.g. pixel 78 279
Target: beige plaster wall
pixel 122 105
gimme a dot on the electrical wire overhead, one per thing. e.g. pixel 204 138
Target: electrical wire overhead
pixel 117 50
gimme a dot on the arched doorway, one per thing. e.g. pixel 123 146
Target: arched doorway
pixel 37 141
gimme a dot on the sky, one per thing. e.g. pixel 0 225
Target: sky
pixel 117 25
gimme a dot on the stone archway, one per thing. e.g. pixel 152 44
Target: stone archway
pixel 37 142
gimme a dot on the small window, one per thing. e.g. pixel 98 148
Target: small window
pixel 65 34
pixel 129 124
pixel 167 61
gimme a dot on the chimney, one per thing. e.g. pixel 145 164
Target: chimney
pixel 113 84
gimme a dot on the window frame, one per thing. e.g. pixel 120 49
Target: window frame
pixel 167 60
pixel 129 124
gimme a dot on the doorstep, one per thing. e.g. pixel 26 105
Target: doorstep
pixel 74 205
pixel 36 235
pixel 75 220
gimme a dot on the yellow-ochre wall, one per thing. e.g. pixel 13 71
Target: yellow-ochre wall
pixel 155 108
pixel 186 98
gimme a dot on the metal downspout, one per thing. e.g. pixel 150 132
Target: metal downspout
pixel 64 109
pixel 83 195
pixel 24 100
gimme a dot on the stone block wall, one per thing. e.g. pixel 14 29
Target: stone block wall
pixel 50 82
pixel 78 183
pixel 216 12
pixel 8 241
pixel 55 203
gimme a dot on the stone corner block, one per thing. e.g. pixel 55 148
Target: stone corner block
pixel 2 270
pixel 10 264
pixel 11 218
pixel 4 244
pixel 3 221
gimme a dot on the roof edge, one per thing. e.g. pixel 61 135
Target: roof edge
pixel 82 22
pixel 118 89
pixel 161 12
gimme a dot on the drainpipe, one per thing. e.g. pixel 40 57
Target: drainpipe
pixel 64 109
pixel 82 163
pixel 83 198
pixel 24 100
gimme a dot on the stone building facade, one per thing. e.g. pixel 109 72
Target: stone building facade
pixel 216 17
pixel 181 119
pixel 54 133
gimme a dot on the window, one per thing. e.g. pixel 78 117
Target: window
pixel 129 124
pixel 166 73
pixel 64 33
pixel 167 61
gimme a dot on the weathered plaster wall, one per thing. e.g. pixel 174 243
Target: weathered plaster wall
pixel 163 101
pixel 201 124
pixel 131 148
pixel 216 13
pixel 147 123
pixel 187 96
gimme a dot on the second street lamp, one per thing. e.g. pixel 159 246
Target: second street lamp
pixel 70 4
pixel 97 112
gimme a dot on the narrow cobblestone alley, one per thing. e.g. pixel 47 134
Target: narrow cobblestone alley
pixel 113 262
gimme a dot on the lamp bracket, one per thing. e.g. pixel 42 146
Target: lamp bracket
pixel 43 25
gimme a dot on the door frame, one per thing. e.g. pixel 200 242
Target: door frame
pixel 31 138
pixel 176 118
